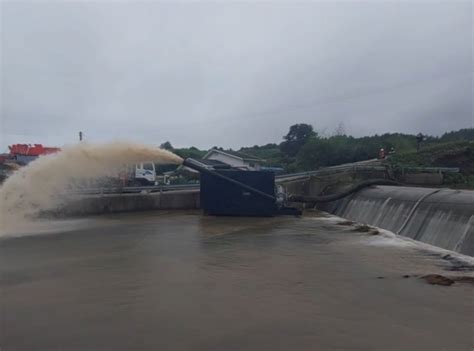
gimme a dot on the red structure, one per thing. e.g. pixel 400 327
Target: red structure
pixel 22 154
pixel 31 150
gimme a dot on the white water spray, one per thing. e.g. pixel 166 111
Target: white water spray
pixel 49 182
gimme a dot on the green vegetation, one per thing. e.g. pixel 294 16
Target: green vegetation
pixel 442 154
pixel 186 152
pixel 304 149
pixel 307 150
pixel 192 152
pixel 458 154
pixel 270 153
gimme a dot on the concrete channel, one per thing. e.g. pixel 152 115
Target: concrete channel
pixel 440 217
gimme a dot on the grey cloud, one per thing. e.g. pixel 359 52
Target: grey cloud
pixel 232 74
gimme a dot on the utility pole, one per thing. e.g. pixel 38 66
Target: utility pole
pixel 80 136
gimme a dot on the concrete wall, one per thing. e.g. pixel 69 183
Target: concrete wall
pixel 440 217
pixel 99 204
pixel 423 178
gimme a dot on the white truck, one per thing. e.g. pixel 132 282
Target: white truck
pixel 141 174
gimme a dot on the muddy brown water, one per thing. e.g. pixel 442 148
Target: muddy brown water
pixel 182 281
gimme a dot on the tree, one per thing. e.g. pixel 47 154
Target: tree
pixel 166 145
pixel 459 135
pixel 270 153
pixel 340 129
pixel 315 153
pixel 192 152
pixel 297 136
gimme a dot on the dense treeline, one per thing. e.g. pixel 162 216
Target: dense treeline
pixel 304 149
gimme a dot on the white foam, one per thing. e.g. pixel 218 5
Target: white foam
pixel 388 238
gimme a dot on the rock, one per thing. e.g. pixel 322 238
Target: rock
pixel 437 279
pixel 464 279
pixel 345 223
pixel 363 228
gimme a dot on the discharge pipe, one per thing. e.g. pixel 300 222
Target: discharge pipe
pixel 338 196
pixel 193 164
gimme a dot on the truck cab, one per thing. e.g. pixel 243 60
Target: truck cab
pixel 145 173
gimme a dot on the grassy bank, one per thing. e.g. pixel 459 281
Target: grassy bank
pixel 452 154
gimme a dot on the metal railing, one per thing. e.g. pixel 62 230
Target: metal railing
pixel 430 170
pixel 135 189
pixel 370 165
pixel 364 165
pixel 358 166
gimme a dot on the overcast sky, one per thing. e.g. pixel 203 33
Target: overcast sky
pixel 232 74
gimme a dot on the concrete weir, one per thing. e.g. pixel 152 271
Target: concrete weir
pixel 113 203
pixel 440 217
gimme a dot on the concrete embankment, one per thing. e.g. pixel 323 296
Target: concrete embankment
pixel 440 217
pixel 112 203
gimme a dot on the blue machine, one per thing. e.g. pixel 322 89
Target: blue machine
pixel 220 197
pixel 234 192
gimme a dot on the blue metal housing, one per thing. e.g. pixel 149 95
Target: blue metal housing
pixel 220 197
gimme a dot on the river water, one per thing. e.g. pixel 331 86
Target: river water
pixel 182 281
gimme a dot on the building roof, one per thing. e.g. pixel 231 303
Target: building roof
pixel 209 164
pixel 235 154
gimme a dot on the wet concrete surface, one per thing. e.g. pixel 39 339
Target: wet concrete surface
pixel 182 281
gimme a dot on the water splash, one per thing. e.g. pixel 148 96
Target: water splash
pixel 49 181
